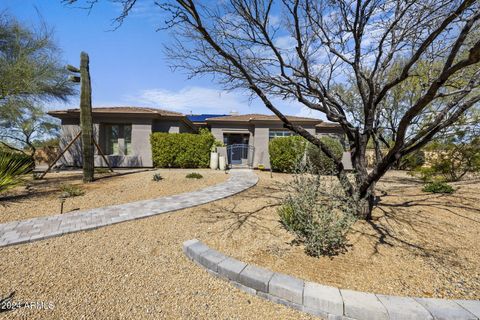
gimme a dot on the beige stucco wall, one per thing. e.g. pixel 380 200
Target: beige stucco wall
pixel 259 137
pixel 171 126
pixel 141 130
pixel 261 155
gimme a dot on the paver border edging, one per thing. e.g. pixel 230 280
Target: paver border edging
pixel 41 228
pixel 319 300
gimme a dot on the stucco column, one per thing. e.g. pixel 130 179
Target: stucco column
pixel 141 147
pixel 261 147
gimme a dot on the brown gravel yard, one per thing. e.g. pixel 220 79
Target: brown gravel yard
pixel 41 197
pixel 418 244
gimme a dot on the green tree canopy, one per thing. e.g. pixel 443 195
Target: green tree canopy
pixel 31 73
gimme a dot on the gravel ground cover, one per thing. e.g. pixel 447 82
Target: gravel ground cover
pixel 41 197
pixel 418 244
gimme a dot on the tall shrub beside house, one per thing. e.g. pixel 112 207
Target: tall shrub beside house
pixel 181 150
pixel 319 162
pixel 286 153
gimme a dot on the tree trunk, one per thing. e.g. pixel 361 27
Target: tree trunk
pixel 365 205
pixel 365 198
pixel 86 119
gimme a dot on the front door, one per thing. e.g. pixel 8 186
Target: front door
pixel 237 147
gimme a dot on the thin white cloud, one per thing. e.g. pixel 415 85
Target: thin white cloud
pixel 310 113
pixel 193 100
pixel 199 100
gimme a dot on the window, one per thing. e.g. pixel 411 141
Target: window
pixel 279 133
pixel 128 139
pixel 118 139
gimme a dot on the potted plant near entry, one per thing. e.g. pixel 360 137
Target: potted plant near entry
pixel 214 155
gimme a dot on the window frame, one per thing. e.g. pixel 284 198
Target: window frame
pixel 274 133
pixel 124 139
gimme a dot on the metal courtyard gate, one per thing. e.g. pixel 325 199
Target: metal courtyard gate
pixel 240 155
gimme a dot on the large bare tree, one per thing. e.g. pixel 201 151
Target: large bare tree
pixel 344 58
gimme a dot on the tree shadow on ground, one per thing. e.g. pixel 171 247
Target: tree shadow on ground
pixel 247 211
pixel 406 219
pixel 413 224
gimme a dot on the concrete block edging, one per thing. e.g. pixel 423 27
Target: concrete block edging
pixel 324 301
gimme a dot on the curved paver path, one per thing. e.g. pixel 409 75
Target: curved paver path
pixel 17 232
pixel 328 302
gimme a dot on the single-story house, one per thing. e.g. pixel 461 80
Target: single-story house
pixel 247 136
pixel 123 133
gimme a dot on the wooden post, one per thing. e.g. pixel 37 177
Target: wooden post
pixel 86 119
pixel 102 154
pixel 60 155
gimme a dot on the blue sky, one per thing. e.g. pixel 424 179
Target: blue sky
pixel 128 66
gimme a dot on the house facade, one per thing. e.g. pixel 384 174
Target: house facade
pixel 123 134
pixel 247 136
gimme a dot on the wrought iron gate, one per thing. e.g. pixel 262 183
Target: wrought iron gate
pixel 240 154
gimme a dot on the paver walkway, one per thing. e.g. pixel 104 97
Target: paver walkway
pixel 17 232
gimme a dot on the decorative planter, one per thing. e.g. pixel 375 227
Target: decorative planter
pixel 222 163
pixel 214 161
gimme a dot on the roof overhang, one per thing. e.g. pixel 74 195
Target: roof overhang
pixel 75 114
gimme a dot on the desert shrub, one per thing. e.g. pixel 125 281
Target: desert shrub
pixel 454 159
pixel 319 161
pixel 157 177
pixel 318 213
pixel 194 175
pixel 13 167
pixel 451 161
pixel 438 187
pixel 412 161
pixel 70 190
pixel 181 150
pixel 286 153
pixel 426 174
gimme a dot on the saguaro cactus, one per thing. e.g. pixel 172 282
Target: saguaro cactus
pixel 86 119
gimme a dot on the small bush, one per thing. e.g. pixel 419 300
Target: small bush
pixel 426 174
pixel 318 214
pixel 320 163
pixel 438 187
pixel 181 150
pixel 286 153
pixel 157 177
pixel 216 144
pixel 194 175
pixel 452 157
pixel 70 190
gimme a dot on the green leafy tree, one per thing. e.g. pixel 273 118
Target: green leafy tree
pixel 21 128
pixel 30 75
